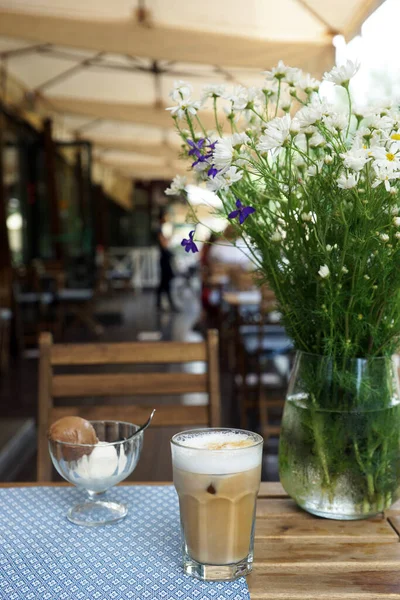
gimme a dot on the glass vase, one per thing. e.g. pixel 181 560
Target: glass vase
pixel 339 451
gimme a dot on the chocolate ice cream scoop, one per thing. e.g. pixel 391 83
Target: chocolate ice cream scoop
pixel 73 430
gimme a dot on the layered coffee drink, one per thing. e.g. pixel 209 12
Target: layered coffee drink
pixel 217 477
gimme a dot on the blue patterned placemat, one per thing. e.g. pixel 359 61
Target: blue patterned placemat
pixel 44 556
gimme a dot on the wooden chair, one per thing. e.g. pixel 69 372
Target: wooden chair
pixel 242 280
pixel 32 305
pixel 5 316
pixel 55 386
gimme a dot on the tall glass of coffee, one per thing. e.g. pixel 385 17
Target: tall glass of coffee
pixel 217 476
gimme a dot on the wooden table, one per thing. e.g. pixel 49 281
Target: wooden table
pixel 217 280
pixel 301 557
pixel 238 298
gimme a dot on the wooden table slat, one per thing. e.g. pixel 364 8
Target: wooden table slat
pixel 277 556
pixel 354 585
pixel 305 528
pixel 277 508
pixel 272 489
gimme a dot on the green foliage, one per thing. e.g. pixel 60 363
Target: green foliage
pixel 355 312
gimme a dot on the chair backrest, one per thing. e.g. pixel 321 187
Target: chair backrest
pixel 55 386
pixel 242 280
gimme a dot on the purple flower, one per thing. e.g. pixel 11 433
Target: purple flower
pixel 200 159
pixel 212 171
pixel 241 211
pixel 195 147
pixel 189 244
pixel 212 146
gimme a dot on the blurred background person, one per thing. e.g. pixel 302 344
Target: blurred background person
pixel 166 268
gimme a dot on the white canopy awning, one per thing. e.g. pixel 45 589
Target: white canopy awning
pixel 104 69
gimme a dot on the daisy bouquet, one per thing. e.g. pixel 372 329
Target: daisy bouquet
pixel 313 188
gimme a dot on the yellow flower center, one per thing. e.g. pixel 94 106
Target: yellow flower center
pixel 395 136
pixel 390 156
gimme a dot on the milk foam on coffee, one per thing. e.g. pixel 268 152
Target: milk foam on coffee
pixel 216 453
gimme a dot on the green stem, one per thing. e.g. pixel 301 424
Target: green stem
pixel 278 98
pixel 349 98
pixel 319 443
pixel 201 126
pixel 190 125
pixel 216 116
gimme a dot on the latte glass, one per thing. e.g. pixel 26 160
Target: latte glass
pixel 217 475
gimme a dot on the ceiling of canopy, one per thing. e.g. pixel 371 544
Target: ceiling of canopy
pixel 103 70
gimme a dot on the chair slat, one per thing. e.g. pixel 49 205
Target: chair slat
pixel 121 384
pixel 176 416
pixel 128 353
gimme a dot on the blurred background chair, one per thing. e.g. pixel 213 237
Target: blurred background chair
pixel 111 378
pixel 6 315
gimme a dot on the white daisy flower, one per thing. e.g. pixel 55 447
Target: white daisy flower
pixel 397 235
pixel 396 221
pixel 384 237
pixel 308 84
pixel 182 90
pixel 276 237
pixel 394 138
pixel 224 150
pixel 276 134
pixel 212 91
pixel 328 159
pixel 295 126
pixel 201 166
pixel 270 89
pixel 242 97
pixel 184 106
pixel 385 159
pixel 293 76
pixel 279 72
pixel 232 175
pixel 361 112
pixel 363 134
pixel 238 139
pixel 324 271
pixel 356 158
pixel 307 216
pixel 336 122
pixel 222 182
pixel 385 175
pixel 223 154
pixel 313 170
pixel 177 187
pixel 347 182
pixel 308 115
pixel 342 75
pixel 380 122
pixel 285 101
pixel 317 140
pixel 298 160
pixel 217 183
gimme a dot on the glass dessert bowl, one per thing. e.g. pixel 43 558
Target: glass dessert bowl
pixel 97 467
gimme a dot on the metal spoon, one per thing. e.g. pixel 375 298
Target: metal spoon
pixel 145 425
